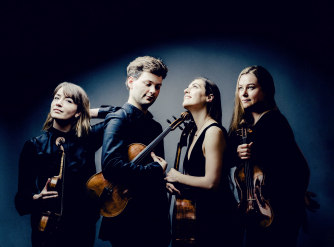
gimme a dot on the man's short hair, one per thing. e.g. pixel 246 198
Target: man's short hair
pixel 146 64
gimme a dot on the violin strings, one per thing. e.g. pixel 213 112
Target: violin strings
pixel 247 170
pixel 151 146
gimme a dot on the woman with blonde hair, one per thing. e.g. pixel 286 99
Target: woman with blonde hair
pixel 271 146
pixel 40 160
pixel 206 173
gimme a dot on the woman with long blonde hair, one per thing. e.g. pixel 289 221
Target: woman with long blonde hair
pixel 271 146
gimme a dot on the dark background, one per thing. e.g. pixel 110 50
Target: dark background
pixel 46 43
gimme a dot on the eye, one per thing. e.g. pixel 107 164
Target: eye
pixel 158 87
pixel 239 88
pixel 251 87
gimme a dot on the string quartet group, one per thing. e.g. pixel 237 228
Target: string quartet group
pixel 59 187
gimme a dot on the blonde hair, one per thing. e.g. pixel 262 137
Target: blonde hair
pixel 146 64
pixel 81 125
pixel 266 82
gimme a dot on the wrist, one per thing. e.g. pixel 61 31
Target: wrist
pixel 177 176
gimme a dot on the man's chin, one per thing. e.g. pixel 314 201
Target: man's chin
pixel 147 104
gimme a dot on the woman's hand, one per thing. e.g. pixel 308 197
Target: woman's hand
pixel 244 151
pixel 171 188
pixel 172 176
pixel 45 194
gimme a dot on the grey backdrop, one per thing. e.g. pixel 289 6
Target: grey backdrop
pixel 303 95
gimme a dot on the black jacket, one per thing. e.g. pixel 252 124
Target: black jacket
pixel 40 160
pixel 286 170
pixel 146 217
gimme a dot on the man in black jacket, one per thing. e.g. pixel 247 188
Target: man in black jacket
pixel 145 220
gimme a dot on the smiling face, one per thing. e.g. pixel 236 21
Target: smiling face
pixel 62 107
pixel 145 90
pixel 195 96
pixel 249 91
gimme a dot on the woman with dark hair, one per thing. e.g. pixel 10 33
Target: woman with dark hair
pixel 271 146
pixel 40 160
pixel 205 170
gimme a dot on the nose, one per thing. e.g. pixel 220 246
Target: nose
pixel 59 102
pixel 244 93
pixel 152 90
pixel 186 90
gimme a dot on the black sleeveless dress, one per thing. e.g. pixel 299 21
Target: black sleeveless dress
pixel 215 209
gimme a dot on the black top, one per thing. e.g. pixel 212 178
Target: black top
pixel 146 217
pixel 284 166
pixel 195 166
pixel 40 159
pixel 214 208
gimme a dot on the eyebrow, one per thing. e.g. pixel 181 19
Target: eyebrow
pixel 66 96
pixel 159 84
pixel 247 84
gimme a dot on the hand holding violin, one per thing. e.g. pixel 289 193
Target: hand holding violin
pixel 244 151
pixel 45 194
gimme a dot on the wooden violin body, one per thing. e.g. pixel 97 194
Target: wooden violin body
pixel 50 218
pixel 184 213
pixel 111 197
pixel 253 209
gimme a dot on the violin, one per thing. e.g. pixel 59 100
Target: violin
pixel 253 209
pixel 50 218
pixel 184 213
pixel 112 197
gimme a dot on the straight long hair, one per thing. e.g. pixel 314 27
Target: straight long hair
pixel 214 108
pixel 80 125
pixel 266 82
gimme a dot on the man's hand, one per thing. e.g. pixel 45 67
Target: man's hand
pixel 160 160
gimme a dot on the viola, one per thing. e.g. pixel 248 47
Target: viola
pixel 50 218
pixel 113 197
pixel 184 213
pixel 253 209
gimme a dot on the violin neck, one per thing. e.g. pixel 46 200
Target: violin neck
pixel 151 146
pixel 177 156
pixel 61 165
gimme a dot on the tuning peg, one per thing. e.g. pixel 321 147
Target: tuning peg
pixel 174 117
pixel 168 121
pixel 180 127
